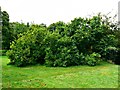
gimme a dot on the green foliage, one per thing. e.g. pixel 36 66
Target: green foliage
pixel 28 49
pixel 3 52
pixel 83 41
pixel 106 42
pixel 93 35
pixel 61 51
pixel 58 26
pixel 10 31
pixel 117 34
pixel 112 53
pixel 16 29
pixel 92 59
pixel 5 31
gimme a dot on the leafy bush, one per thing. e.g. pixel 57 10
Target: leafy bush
pixel 61 51
pixel 80 42
pixel 28 49
pixel 92 59
pixel 112 54
pixel 92 35
pixel 117 60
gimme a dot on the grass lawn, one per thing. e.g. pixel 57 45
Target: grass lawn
pixel 102 76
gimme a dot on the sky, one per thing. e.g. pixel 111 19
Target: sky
pixel 51 11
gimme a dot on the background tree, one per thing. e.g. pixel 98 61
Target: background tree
pixel 17 28
pixel 0 28
pixel 5 31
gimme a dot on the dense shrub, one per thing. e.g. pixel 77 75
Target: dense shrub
pixel 117 60
pixel 113 54
pixel 61 51
pixel 60 27
pixel 28 49
pixel 117 34
pixel 104 44
pixel 92 59
pixel 83 41
pixel 92 35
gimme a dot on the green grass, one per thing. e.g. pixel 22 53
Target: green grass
pixel 102 76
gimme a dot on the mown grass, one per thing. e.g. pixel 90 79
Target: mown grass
pixel 101 76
